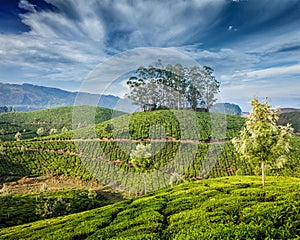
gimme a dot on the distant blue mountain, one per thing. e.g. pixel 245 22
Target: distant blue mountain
pixel 228 108
pixel 28 96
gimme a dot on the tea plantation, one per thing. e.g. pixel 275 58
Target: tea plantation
pixel 221 208
pixel 191 154
pixel 27 123
pixel 227 203
pixel 178 124
pixel 24 208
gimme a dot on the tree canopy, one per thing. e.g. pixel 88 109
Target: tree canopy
pixel 173 86
pixel 141 161
pixel 261 140
pixel 141 158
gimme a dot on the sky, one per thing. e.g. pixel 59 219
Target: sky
pixel 252 45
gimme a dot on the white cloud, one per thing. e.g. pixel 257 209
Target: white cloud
pixel 274 71
pixel 79 33
pixel 24 4
pixel 66 42
pixel 109 76
pixel 229 64
pixel 280 84
pixel 36 52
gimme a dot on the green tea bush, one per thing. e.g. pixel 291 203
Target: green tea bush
pixel 23 208
pixel 221 208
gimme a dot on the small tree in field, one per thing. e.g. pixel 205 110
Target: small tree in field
pixel 18 136
pixel 64 129
pixel 262 140
pixel 141 160
pixel 40 131
pixel 53 131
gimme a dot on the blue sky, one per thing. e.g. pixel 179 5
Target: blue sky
pixel 253 45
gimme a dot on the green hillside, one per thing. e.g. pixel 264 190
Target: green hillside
pixel 223 208
pixel 185 146
pixel 178 124
pixel 292 117
pixel 16 209
pixel 189 153
pixel 180 143
pixel 27 123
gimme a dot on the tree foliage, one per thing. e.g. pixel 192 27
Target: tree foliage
pixel 52 131
pixel 18 136
pixel 40 131
pixel 141 160
pixel 261 140
pixel 173 86
pixel 64 129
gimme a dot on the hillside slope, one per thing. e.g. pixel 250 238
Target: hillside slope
pixel 292 117
pixel 17 209
pixel 109 162
pixel 178 124
pixel 107 157
pixel 225 208
pixel 27 123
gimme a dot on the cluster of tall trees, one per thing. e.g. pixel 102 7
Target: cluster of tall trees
pixel 173 86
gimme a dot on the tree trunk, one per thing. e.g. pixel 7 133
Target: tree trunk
pixel 179 102
pixel 263 173
pixel 145 184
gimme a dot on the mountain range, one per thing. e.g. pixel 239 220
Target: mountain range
pixel 27 96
